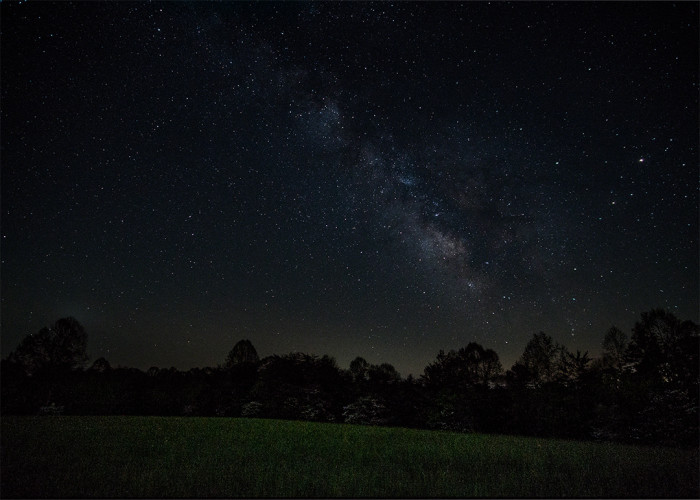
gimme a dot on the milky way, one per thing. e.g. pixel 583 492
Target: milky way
pixel 383 180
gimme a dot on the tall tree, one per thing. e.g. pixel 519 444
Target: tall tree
pixel 470 365
pixel 384 373
pixel 53 350
pixel 483 364
pixel 664 349
pixel 573 367
pixel 242 353
pixel 458 386
pixel 539 362
pixel 663 356
pixel 299 386
pixel 359 367
pixel 614 348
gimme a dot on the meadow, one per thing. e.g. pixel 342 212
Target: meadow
pixel 118 456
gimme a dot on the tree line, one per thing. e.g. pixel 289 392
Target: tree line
pixel 643 389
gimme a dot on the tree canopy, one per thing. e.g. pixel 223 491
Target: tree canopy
pixel 242 353
pixel 59 348
pixel 644 390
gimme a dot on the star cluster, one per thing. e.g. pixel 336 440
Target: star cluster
pixel 373 179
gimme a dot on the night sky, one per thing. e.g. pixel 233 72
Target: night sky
pixel 365 179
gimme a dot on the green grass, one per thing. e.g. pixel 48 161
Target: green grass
pixel 222 457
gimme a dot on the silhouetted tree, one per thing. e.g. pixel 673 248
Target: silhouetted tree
pixel 614 349
pixel 299 386
pixel 384 373
pixel 541 402
pixel 458 383
pixel 645 390
pixel 242 353
pixel 539 362
pixel 664 349
pixel 359 368
pixel 239 375
pixel 54 350
pixel 661 393
pixel 101 365
pixel 469 366
pixel 573 367
pixel 484 363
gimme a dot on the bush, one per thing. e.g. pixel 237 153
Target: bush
pixel 366 411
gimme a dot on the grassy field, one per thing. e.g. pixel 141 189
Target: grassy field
pixel 221 457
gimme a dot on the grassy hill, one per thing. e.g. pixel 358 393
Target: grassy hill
pixel 223 457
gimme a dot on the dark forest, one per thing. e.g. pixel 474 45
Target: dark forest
pixel 643 389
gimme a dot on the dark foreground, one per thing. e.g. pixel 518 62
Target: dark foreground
pixel 222 457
